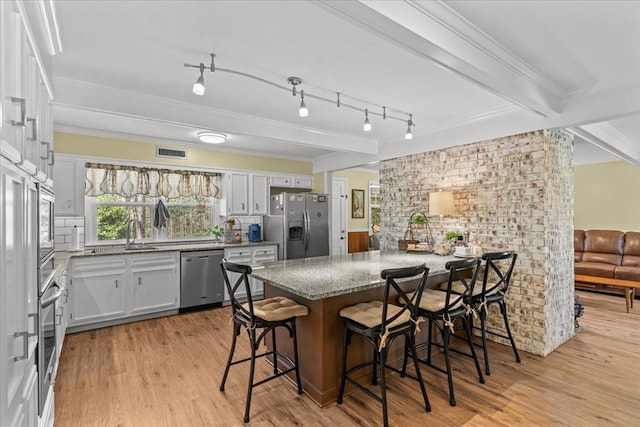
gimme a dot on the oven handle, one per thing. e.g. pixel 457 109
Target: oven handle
pixel 45 302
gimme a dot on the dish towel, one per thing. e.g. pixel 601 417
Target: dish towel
pixel 161 216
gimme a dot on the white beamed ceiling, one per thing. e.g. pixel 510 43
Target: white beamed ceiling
pixel 466 70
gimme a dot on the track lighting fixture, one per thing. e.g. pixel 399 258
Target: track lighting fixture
pixel 303 108
pixel 199 89
pixel 367 124
pixel 409 135
pixel 198 86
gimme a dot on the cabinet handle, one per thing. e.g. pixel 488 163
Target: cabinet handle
pixel 139 280
pixel 35 324
pixel 34 129
pixel 22 111
pixel 59 316
pixel 243 206
pixel 257 207
pixel 25 345
pixel 116 283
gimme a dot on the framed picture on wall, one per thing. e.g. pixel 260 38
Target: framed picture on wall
pixel 357 203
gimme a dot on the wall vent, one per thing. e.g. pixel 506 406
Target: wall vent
pixel 171 153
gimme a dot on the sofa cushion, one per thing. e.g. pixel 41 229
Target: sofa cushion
pixel 595 269
pixel 578 245
pixel 628 273
pixel 631 255
pixel 603 246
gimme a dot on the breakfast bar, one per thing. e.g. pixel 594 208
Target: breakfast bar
pixel 326 285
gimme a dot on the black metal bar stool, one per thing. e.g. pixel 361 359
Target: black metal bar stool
pixel 442 308
pixel 260 316
pixel 380 323
pixel 495 283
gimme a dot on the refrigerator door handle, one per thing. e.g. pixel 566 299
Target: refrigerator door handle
pixel 307 226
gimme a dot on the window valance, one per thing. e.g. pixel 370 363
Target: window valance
pixel 130 181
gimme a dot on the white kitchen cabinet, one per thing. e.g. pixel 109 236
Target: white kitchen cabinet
pixel 68 186
pixel 97 289
pixel 18 293
pixel 13 45
pixel 46 155
pixel 292 181
pixel 262 254
pixel 251 255
pixel 117 287
pixel 259 194
pixel 237 193
pixel 61 318
pixel 154 282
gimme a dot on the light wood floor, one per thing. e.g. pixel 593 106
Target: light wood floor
pixel 166 372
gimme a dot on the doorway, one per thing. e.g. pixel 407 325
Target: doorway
pixel 338 216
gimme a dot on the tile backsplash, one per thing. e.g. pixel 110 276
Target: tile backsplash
pixel 64 232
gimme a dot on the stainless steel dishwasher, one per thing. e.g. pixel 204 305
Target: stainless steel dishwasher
pixel 201 279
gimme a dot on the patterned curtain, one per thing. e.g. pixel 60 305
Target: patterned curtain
pixel 130 181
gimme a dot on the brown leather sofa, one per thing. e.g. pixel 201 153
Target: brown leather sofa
pixel 607 261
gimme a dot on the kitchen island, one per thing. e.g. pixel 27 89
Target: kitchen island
pixel 326 285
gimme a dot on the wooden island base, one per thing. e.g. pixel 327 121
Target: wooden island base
pixel 321 335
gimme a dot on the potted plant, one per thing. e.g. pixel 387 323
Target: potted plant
pixel 216 232
pixel 452 235
pixel 419 220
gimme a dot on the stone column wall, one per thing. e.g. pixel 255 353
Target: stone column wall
pixel 511 193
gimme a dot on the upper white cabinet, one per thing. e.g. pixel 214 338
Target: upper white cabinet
pixel 259 194
pixel 247 194
pixel 292 181
pixel 237 193
pixel 12 90
pixel 26 128
pixel 69 186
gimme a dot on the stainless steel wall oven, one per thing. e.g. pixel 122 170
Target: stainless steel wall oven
pixel 48 293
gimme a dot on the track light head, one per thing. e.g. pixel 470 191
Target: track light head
pixel 409 135
pixel 367 125
pixel 198 86
pixel 303 107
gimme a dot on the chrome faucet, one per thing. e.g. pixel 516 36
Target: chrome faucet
pixel 130 241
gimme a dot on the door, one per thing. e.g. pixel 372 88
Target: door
pixel 97 296
pixel 317 227
pixel 259 195
pixel 238 194
pixel 338 216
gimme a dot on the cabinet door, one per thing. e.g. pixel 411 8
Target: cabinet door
pixel 14 328
pixel 238 256
pixel 97 290
pixel 30 151
pixel 45 134
pixel 262 254
pixel 69 186
pixel 155 285
pixel 303 182
pixel 281 181
pixel 12 39
pixel 259 194
pixel 237 194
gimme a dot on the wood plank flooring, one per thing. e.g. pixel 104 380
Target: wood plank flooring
pixel 166 372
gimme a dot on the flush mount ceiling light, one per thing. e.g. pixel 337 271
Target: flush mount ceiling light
pixel 212 137
pixel 198 89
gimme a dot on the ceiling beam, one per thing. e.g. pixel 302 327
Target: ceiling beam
pixel 437 33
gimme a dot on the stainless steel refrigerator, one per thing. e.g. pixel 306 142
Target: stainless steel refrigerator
pixel 299 223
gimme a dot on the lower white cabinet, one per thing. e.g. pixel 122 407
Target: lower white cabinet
pixel 250 255
pixel 105 288
pixel 155 285
pixel 97 289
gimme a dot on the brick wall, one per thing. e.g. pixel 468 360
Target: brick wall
pixel 511 193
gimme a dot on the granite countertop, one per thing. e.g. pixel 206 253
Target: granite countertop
pixel 322 277
pixel 62 258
